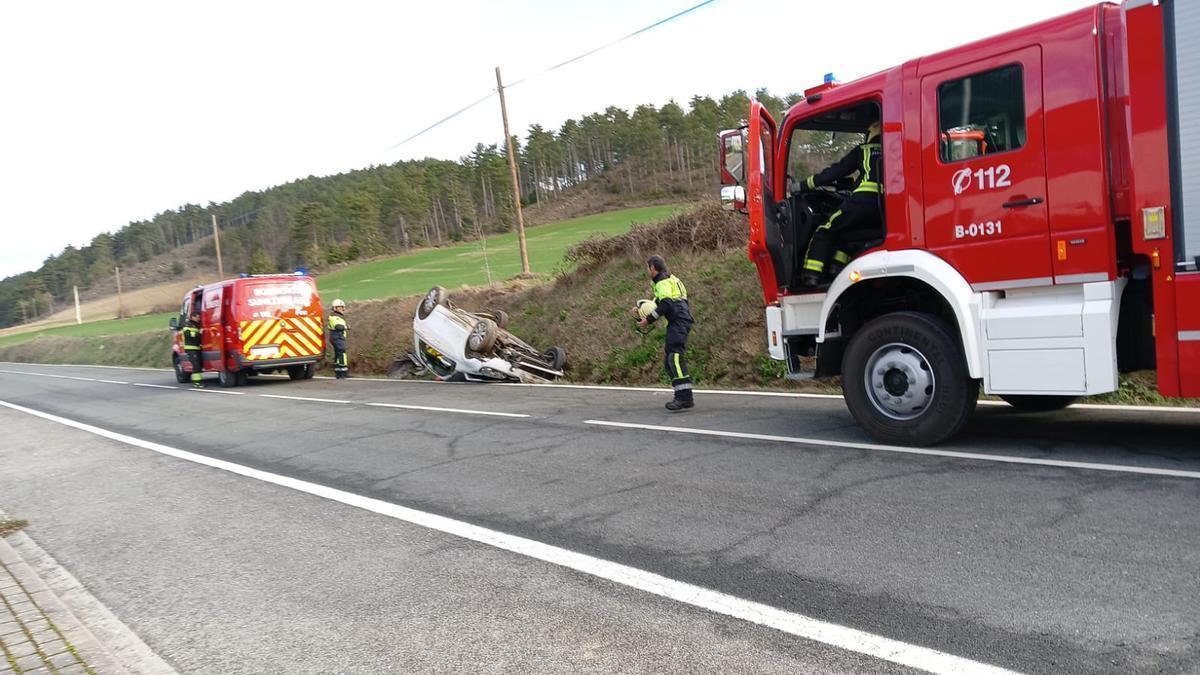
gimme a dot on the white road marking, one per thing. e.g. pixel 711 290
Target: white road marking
pixel 824 442
pixel 112 381
pixel 448 410
pixel 306 398
pixel 842 637
pixel 156 386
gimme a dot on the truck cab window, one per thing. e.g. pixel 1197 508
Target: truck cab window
pixel 981 114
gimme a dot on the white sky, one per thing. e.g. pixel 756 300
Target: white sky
pixel 114 111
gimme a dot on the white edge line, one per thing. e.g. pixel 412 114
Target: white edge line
pixel 658 390
pixel 112 381
pixel 842 637
pixel 306 398
pixel 217 391
pixel 156 386
pixel 449 410
pixel 821 442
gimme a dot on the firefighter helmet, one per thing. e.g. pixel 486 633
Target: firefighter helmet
pixel 339 303
pixel 645 308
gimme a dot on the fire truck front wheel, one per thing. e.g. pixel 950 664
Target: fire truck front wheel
pixel 905 380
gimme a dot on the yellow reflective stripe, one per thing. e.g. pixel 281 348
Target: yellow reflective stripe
pixel 866 170
pixel 814 265
pixel 841 257
pixel 867 186
pixel 811 183
pixel 678 368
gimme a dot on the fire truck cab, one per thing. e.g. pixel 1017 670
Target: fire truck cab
pixel 254 324
pixel 1041 221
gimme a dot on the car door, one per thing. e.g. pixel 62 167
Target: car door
pixel 212 340
pixel 984 170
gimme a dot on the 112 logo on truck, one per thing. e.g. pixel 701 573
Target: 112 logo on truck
pixel 986 179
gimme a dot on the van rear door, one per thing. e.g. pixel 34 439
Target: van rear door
pixel 279 318
pixel 212 337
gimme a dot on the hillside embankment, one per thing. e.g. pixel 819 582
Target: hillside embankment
pixel 585 311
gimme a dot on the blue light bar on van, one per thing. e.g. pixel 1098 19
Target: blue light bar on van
pixel 829 78
pixel 300 272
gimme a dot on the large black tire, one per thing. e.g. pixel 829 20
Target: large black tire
pixel 905 380
pixel 180 376
pixel 1038 402
pixel 229 378
pixel 300 372
pixel 436 296
pixel 557 357
pixel 501 318
pixel 483 337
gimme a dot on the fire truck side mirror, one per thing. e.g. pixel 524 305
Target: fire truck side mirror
pixel 733 157
pixel 174 323
pixel 733 198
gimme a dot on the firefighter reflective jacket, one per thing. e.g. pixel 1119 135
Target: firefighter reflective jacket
pixel 670 296
pixel 866 160
pixel 191 336
pixel 337 330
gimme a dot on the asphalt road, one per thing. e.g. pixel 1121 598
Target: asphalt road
pixel 988 551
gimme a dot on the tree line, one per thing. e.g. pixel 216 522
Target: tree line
pixel 646 153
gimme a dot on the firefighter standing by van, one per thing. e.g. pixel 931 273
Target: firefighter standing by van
pixel 337 337
pixel 859 211
pixel 670 301
pixel 191 347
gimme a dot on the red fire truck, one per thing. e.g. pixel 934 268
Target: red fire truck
pixel 1041 221
pixel 255 324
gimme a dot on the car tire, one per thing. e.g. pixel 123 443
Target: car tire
pixel 905 380
pixel 300 372
pixel 436 296
pixel 180 376
pixel 501 318
pixel 557 356
pixel 1036 403
pixel 482 339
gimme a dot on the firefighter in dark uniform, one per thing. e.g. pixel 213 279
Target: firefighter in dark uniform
pixel 670 301
pixel 191 347
pixel 859 211
pixel 337 337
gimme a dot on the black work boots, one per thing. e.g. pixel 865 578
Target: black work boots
pixel 676 405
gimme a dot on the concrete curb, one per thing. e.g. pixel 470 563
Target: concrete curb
pixel 102 641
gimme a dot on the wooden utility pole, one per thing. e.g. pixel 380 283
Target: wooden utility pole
pixel 217 245
pixel 120 298
pixel 78 316
pixel 516 183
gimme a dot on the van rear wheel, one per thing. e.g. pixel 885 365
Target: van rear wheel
pixel 905 380
pixel 300 372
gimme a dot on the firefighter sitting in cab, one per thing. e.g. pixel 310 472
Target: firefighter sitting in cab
pixel 337 337
pixel 191 346
pixel 858 212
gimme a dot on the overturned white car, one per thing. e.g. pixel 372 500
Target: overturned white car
pixel 449 340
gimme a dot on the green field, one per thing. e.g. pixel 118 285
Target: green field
pixel 415 273
pixel 454 266
pixel 137 324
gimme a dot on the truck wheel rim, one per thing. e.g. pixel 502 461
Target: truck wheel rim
pixel 900 381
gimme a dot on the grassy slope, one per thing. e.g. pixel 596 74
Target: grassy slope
pixel 463 265
pixel 137 324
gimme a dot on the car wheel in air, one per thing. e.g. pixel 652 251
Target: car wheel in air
pixel 557 357
pixel 181 376
pixel 436 296
pixel 483 337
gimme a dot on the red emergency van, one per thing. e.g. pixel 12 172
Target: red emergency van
pixel 254 324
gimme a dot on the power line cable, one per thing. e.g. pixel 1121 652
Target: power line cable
pixel 619 40
pixel 569 61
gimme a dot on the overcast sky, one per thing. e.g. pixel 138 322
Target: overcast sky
pixel 115 111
